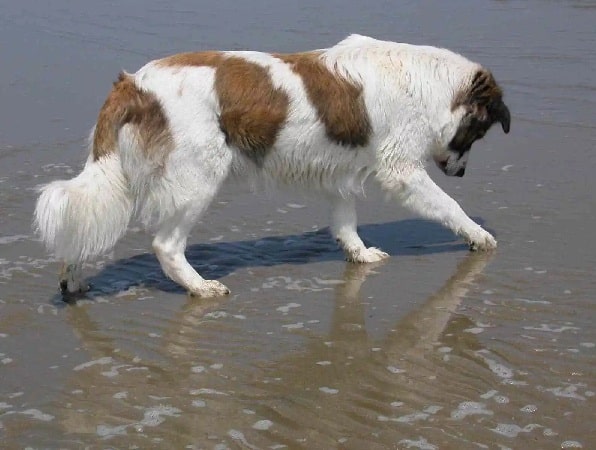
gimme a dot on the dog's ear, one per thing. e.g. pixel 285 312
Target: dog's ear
pixel 501 113
pixel 483 100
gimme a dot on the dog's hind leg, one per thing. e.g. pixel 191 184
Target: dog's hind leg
pixel 169 245
pixel 193 176
pixel 343 228
pixel 71 279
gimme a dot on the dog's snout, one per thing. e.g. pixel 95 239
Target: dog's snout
pixel 443 165
pixel 460 172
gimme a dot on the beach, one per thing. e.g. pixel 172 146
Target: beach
pixel 435 348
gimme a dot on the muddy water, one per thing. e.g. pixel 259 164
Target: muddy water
pixel 436 348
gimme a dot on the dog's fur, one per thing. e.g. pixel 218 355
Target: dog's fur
pixel 169 135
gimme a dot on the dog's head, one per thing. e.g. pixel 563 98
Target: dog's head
pixel 480 105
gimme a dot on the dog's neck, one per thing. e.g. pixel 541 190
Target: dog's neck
pixel 423 82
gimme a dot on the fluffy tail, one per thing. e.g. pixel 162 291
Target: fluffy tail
pixel 84 217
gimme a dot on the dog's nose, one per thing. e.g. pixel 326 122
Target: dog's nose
pixel 460 172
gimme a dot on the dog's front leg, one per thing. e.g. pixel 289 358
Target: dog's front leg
pixel 420 193
pixel 343 228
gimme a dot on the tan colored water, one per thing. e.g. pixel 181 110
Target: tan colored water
pixel 435 349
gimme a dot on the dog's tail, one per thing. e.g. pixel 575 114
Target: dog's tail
pixel 84 217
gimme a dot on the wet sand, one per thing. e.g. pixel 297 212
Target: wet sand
pixel 437 348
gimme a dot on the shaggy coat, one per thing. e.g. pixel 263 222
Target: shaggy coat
pixel 328 120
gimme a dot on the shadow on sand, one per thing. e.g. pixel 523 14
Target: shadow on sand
pixel 216 260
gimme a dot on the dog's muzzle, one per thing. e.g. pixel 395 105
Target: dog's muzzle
pixel 452 166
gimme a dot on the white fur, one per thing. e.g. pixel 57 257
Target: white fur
pixel 85 216
pixel 408 92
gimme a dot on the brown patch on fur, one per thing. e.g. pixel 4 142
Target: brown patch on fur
pixel 483 101
pixel 483 98
pixel 125 104
pixel 481 92
pixel 252 109
pixel 339 101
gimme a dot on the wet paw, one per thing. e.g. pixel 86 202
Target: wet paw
pixel 210 288
pixel 481 240
pixel 367 255
pixel 71 282
pixel 67 288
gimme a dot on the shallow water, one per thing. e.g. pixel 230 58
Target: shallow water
pixel 436 348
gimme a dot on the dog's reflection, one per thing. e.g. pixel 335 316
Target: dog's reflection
pixel 344 371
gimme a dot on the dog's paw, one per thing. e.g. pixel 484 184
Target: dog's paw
pixel 481 240
pixel 367 255
pixel 209 288
pixel 68 287
pixel 71 282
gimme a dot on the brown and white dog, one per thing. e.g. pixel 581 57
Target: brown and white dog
pixel 328 120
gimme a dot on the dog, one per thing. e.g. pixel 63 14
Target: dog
pixel 169 135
